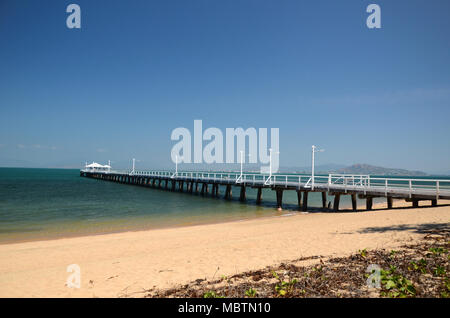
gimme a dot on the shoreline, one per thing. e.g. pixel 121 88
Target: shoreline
pixel 127 263
pixel 377 206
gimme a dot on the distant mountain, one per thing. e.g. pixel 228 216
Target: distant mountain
pixel 374 170
pixel 439 173
pixel 325 168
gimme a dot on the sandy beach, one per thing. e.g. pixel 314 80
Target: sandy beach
pixel 126 264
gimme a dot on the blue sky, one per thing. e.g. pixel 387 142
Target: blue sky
pixel 136 70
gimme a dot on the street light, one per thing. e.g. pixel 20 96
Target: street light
pixel 314 150
pixel 270 165
pixel 176 164
pixel 242 163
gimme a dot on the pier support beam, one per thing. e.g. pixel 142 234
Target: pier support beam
pixel 279 198
pixel 305 201
pixel 389 202
pixel 180 185
pixel 337 199
pixel 434 202
pixel 299 198
pixel 242 196
pixel 415 203
pixel 203 188
pixel 354 202
pixel 259 196
pixel 174 184
pixel 228 192
pixel 324 200
pixel 369 203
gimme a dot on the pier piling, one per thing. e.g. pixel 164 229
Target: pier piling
pixel 279 198
pixel 337 198
pixel 324 200
pixel 305 201
pixel 369 202
pixel 242 196
pixel 354 202
pixel 299 198
pixel 228 192
pixel 259 196
pixel 389 202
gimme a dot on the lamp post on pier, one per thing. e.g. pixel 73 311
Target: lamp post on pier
pixel 134 164
pixel 314 150
pixel 268 181
pixel 242 164
pixel 176 165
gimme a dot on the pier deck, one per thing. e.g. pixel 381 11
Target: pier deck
pixel 361 186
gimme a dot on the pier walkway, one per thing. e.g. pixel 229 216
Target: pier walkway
pixel 337 185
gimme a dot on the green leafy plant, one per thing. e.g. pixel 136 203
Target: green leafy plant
pixel 363 253
pixel 284 288
pixel 439 271
pixel 446 292
pixel 212 294
pixel 397 285
pixel 437 250
pixel 419 266
pixel 251 293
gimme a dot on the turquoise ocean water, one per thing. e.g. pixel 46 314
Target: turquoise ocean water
pixel 50 203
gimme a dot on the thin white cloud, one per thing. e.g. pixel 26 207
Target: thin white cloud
pixel 36 146
pixel 412 96
pixel 101 150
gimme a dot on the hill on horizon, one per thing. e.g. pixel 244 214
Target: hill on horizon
pixel 361 168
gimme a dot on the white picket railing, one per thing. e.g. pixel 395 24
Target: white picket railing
pixel 344 182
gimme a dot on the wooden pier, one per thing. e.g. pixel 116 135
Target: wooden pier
pixel 337 185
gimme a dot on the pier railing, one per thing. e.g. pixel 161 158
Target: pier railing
pixel 341 182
